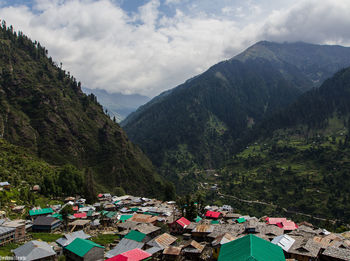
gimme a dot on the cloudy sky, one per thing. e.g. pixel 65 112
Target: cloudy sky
pixel 148 46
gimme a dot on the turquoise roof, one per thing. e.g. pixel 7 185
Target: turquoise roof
pixel 81 246
pixel 40 211
pixel 250 248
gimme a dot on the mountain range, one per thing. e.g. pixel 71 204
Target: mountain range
pixel 200 122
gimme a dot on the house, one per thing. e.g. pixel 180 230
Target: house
pixel 142 218
pixel 219 241
pixel 35 250
pixel 132 255
pixel 36 188
pixel 136 236
pixel 192 249
pixel 80 224
pixel 275 221
pixel 287 225
pixel 307 250
pixel 202 231
pixel 123 246
pixel 7 235
pixel 336 254
pixel 213 214
pixel 250 247
pixel 172 253
pixel 45 224
pixel 80 215
pixel 284 241
pixel 40 212
pixel 148 229
pixel 20 228
pixel 162 241
pixel 5 185
pixel 178 226
pixel 69 238
pixel 83 249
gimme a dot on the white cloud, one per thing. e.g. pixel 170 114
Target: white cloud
pixel 146 52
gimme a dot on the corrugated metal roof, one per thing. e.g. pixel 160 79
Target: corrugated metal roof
pixel 171 250
pixel 68 238
pixel 146 228
pixel 183 222
pixel 4 230
pixel 81 246
pixel 284 241
pixel 135 235
pixel 131 255
pixel 162 241
pixel 34 250
pixel 194 244
pixel 40 211
pixel 123 246
pixel 250 247
pixel 203 228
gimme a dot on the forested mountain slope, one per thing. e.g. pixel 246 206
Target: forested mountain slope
pixel 199 123
pixel 43 109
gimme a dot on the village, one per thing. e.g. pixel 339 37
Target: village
pixel 149 229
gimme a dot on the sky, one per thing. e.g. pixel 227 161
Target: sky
pixel 149 46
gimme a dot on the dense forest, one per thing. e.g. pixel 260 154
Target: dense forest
pixel 43 109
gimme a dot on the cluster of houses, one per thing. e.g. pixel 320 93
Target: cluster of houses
pixel 149 229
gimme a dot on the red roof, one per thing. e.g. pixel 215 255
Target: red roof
pixel 289 225
pixel 212 214
pixel 183 222
pixel 80 215
pixel 75 208
pixel 100 195
pixel 274 221
pixel 133 255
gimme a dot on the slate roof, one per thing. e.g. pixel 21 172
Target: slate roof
pixel 81 246
pixel 146 228
pixel 34 250
pixel 223 239
pixel 124 246
pixel 68 238
pixel 45 221
pixel 306 248
pixel 339 253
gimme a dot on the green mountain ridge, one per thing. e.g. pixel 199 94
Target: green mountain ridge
pixel 42 108
pixel 200 123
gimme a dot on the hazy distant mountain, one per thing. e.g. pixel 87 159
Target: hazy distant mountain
pixel 197 123
pixel 118 104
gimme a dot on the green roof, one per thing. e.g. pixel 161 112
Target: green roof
pixel 111 214
pixel 151 213
pixel 57 215
pixel 197 219
pixel 89 213
pixel 134 209
pixel 81 246
pixel 241 220
pixel 214 222
pixel 124 218
pixel 250 248
pixel 40 211
pixel 135 235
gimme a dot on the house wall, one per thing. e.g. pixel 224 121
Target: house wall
pixel 303 258
pixel 20 233
pixel 95 254
pixel 7 238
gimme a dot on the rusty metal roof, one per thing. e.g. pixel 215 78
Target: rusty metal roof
pixel 171 250
pixel 165 240
pixel 203 228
